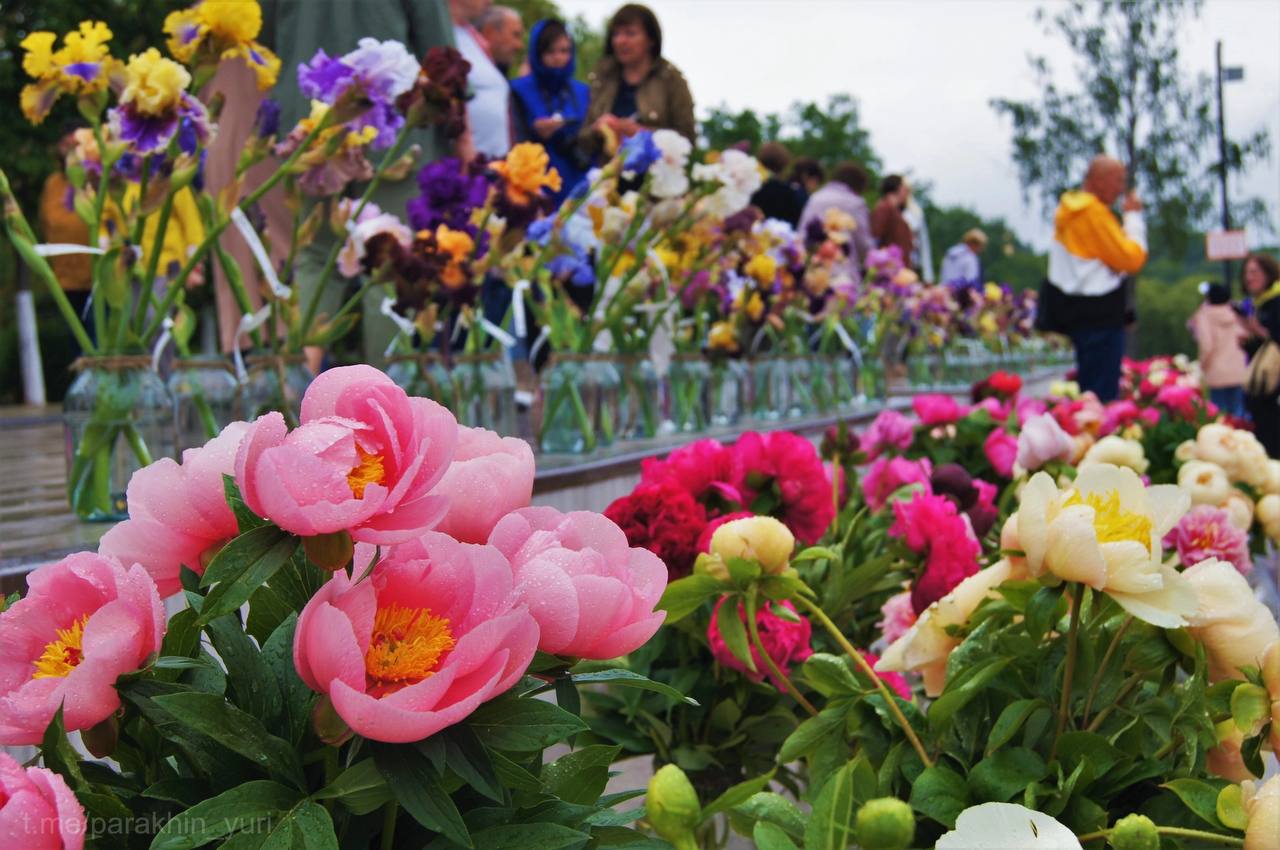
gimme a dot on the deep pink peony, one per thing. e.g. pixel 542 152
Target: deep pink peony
pixel 591 593
pixel 1001 449
pixel 983 513
pixel 705 468
pixel 936 409
pixel 896 681
pixel 1205 533
pixel 364 460
pixel 85 621
pixel 932 526
pixel 998 409
pixel 791 464
pixel 429 636
pixel 1029 407
pixel 664 518
pixel 38 810
pixel 890 431
pixel 1041 440
pixel 898 616
pixel 786 642
pixel 490 477
pixel 887 474
pixel 1187 403
pixel 177 512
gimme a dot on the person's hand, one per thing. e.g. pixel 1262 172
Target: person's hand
pixel 548 127
pixel 1131 202
pixel 627 127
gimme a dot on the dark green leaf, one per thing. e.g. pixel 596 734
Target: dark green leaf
pixel 1045 608
pixel 467 757
pixel 296 697
pixel 1200 797
pixel 58 754
pixel 580 776
pixel 940 794
pixel 267 610
pixel 514 776
pixel 523 724
pixel 767 836
pixel 958 694
pixel 1005 774
pixel 774 809
pixel 417 788
pixel 813 733
pixel 830 825
pixel 361 788
pixel 1010 721
pixel 237 731
pixel 242 566
pixel 246 519
pixel 737 795
pixel 684 596
pixel 619 677
pixel 830 676
pixel 530 836
pixel 734 632
pixel 253 688
pixel 244 806
pixel 307 826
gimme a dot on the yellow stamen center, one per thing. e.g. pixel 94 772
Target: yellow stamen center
pixel 405 648
pixel 61 656
pixel 1111 522
pixel 368 470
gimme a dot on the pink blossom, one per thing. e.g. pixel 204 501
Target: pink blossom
pixel 1028 407
pixel 937 409
pixel 37 809
pixel 786 642
pixel 898 615
pixel 85 621
pixel 932 526
pixel 431 635
pixel 592 594
pixel 706 468
pixel 490 477
pixel 1206 532
pixel 1186 403
pixel 178 515
pixel 983 513
pixel 896 681
pixel 363 460
pixel 890 430
pixel 886 475
pixel 998 409
pixel 1042 440
pixel 1118 415
pixel 789 463
pixel 1001 449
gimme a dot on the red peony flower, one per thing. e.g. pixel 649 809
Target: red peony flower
pixel 1005 384
pixel 790 464
pixel 786 642
pixel 663 518
pixel 706 470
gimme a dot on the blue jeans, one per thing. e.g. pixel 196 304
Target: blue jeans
pixel 1098 355
pixel 1229 400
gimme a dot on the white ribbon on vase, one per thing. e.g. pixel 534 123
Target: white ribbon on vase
pixel 249 323
pixel 259 251
pixel 58 249
pixel 405 326
pixel 161 342
pixel 519 323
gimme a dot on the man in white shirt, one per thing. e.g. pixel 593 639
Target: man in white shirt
pixel 488 110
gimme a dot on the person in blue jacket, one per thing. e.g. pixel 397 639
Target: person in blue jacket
pixel 549 104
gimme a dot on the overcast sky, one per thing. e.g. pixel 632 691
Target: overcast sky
pixel 923 71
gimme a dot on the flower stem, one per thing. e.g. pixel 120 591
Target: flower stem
pixel 753 629
pixel 389 813
pixel 1177 832
pixel 1064 706
pixel 894 709
pixel 1106 712
pixel 1097 678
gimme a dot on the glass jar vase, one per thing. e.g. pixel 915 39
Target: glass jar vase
pixel 275 382
pixel 687 384
pixel 482 392
pixel 206 398
pixel 580 403
pixel 727 391
pixel 768 388
pixel 802 399
pixel 639 398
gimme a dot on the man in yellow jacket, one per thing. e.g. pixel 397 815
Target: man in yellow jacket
pixel 1091 261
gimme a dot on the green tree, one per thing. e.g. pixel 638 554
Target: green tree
pixel 1136 102
pixel 1007 259
pixel 830 133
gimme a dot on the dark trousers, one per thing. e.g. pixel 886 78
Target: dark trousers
pixel 1229 400
pixel 1098 355
pixel 1265 413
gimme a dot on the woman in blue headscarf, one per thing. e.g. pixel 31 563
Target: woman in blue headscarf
pixel 550 104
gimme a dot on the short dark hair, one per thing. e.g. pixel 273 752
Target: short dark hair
pixel 852 175
pixel 635 13
pixel 774 156
pixel 1266 262
pixel 807 166
pixel 552 30
pixel 890 184
pixel 1217 293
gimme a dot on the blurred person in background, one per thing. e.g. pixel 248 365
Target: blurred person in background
pixel 503 33
pixel 776 198
pixel 1219 331
pixel 1261 277
pixel 489 109
pixel 844 193
pixel 807 177
pixel 888 225
pixel 962 263
pixel 921 250
pixel 549 104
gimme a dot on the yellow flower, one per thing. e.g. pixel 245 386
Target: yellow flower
pixel 762 539
pixel 222 29
pixel 762 269
pixel 993 292
pixel 457 245
pixel 721 337
pixel 153 84
pixel 82 66
pixel 526 171
pixel 755 307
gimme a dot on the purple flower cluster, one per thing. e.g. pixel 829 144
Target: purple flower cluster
pixel 450 193
pixel 375 74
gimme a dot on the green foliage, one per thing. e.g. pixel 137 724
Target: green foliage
pixel 830 133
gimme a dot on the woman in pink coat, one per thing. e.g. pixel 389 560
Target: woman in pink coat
pixel 1219 331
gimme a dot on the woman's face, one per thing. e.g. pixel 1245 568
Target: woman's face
pixel 631 43
pixel 558 54
pixel 1255 279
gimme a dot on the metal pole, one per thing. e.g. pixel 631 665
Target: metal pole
pixel 1222 160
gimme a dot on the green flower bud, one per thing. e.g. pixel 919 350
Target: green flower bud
pixel 672 806
pixel 330 552
pixel 884 824
pixel 1135 832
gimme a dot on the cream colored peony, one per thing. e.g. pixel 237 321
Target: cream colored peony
pixel 1117 451
pixel 1236 451
pixel 1007 826
pixel 1239 508
pixel 1272 484
pixel 1185 451
pixel 1205 482
pixel 1107 532
pixel 757 538
pixel 1235 628
pixel 1262 805
pixel 1271 680
pixel 926 644
pixel 1267 513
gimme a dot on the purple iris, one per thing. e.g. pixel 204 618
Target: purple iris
pixel 267 121
pixel 449 195
pixel 324 77
pixel 150 133
pixel 87 71
pixel 574 268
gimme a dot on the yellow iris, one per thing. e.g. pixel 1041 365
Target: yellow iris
pixel 368 470
pixel 721 337
pixel 226 29
pixel 527 171
pixel 154 84
pixel 82 66
pixel 406 647
pixel 755 307
pixel 1111 522
pixel 762 269
pixel 993 292
pixel 62 655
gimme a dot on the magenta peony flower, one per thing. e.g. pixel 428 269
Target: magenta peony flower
pixel 998 409
pixel 786 642
pixel 890 430
pixel 932 526
pixel 886 475
pixel 896 681
pixel 591 593
pixel 1042 440
pixel 1206 533
pixel 38 810
pixel 364 460
pixel 983 513
pixel 431 635
pixel 177 513
pixel 705 468
pixel 1001 449
pixel 936 409
pixel 85 621
pixel 1186 403
pixel 792 465
pixel 490 477
pixel 1029 407
pixel 898 616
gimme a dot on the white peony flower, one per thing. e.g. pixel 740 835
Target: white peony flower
pixel 1204 482
pixel 1117 451
pixel 668 176
pixel 1272 484
pixel 1007 826
pixel 1239 508
pixel 1238 452
pixel 1041 440
pixel 1262 805
pixel 1235 628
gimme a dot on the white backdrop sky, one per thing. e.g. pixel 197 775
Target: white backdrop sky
pixel 923 71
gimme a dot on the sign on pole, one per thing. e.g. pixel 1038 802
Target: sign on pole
pixel 1226 245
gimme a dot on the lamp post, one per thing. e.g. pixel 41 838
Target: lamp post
pixel 1224 75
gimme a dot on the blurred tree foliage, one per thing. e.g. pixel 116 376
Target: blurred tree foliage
pixel 830 132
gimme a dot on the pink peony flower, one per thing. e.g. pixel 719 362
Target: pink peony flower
pixel 705 468
pixel 896 681
pixel 363 460
pixel 432 634
pixel 1029 407
pixel 890 430
pixel 1042 440
pixel 177 512
pixel 1119 415
pixel 886 475
pixel 85 621
pixel 786 642
pixel 983 513
pixel 932 526
pixel 998 409
pixel 792 465
pixel 936 409
pixel 38 810
pixel 898 616
pixel 1205 533
pixel 490 477
pixel 591 593
pixel 1001 449
pixel 1187 403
